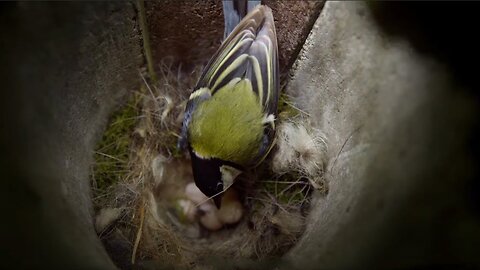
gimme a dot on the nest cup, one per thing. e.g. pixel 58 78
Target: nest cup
pixel 151 207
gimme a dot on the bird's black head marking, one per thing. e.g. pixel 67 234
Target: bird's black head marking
pixel 208 177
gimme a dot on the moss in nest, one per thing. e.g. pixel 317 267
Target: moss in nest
pixel 286 109
pixel 112 152
pixel 287 189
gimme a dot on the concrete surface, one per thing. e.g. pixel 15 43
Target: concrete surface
pixel 63 67
pixel 396 130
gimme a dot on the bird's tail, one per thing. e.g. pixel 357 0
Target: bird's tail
pixel 234 11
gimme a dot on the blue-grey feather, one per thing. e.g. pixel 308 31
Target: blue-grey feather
pixel 234 11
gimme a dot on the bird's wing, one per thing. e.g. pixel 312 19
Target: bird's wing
pixel 249 52
pixel 234 11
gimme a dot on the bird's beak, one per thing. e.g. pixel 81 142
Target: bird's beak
pixel 218 200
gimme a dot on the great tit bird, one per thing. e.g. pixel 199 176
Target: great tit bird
pixel 229 121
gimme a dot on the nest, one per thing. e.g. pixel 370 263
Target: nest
pixel 140 200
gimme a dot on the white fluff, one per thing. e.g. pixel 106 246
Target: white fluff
pixel 299 150
pixel 105 217
pixel 158 168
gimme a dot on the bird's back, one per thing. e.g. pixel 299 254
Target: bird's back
pixel 251 52
pixel 248 55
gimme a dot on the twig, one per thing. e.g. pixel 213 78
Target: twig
pixel 285 182
pixel 109 156
pixel 139 232
pixel 146 40
pixel 151 92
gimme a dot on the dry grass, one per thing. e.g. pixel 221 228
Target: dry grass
pixel 151 224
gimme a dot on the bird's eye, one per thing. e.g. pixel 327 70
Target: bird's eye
pixel 219 186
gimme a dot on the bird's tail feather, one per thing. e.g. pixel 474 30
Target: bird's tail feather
pixel 234 11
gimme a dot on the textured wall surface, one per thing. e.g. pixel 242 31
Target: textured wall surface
pixel 63 67
pixel 395 125
pixel 191 31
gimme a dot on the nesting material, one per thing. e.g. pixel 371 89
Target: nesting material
pixel 168 220
pixel 290 223
pixel 300 150
pixel 106 217
pixel 158 169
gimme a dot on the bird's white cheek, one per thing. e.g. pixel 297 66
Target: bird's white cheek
pixel 228 175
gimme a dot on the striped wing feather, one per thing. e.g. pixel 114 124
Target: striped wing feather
pixel 250 52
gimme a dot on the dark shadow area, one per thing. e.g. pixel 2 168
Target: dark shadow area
pixel 446 31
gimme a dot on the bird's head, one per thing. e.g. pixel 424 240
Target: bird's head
pixel 212 176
